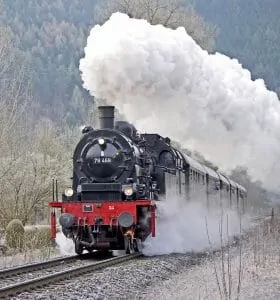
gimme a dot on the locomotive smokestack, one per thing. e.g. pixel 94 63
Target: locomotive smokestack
pixel 106 117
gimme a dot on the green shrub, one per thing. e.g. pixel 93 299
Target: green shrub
pixel 37 237
pixel 14 235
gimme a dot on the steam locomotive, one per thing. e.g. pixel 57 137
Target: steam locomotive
pixel 118 177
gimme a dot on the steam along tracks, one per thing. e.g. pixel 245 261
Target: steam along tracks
pixel 34 276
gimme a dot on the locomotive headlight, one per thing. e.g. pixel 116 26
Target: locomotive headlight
pixel 128 190
pixel 68 192
pixel 101 141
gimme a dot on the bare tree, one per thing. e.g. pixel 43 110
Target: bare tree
pixel 25 188
pixel 14 92
pixel 170 13
pixel 31 154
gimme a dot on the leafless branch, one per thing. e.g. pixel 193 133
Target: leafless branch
pixel 170 13
pixel 213 261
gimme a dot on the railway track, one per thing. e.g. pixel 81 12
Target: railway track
pixel 27 278
pixel 10 272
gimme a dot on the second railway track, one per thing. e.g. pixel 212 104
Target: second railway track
pixel 26 278
pixel 18 270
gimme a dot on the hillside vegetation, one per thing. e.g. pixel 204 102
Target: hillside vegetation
pixel 249 31
pixel 52 35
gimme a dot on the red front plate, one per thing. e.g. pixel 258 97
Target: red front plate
pixel 88 212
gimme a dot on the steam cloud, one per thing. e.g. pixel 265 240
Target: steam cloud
pixel 65 245
pixel 164 82
pixel 188 226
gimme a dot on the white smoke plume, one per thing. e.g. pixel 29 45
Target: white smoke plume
pixel 188 226
pixel 65 245
pixel 164 82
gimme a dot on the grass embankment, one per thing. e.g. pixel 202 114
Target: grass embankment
pixel 25 244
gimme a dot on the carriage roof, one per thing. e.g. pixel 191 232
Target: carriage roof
pixel 211 173
pixel 194 164
pixel 232 183
pixel 223 178
pixel 241 188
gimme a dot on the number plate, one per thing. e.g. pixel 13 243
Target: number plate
pixel 102 160
pixel 87 208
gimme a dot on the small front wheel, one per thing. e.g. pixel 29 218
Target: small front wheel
pixel 128 245
pixel 135 246
pixel 131 245
pixel 78 247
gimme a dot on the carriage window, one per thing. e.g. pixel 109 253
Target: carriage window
pixel 217 185
pixel 166 159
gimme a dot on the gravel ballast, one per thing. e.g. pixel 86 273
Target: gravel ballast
pixel 184 276
pixel 125 281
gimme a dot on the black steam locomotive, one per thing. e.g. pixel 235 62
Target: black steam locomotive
pixel 119 175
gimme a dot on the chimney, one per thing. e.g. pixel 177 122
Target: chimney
pixel 106 117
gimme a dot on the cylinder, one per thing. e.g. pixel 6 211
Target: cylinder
pixel 106 117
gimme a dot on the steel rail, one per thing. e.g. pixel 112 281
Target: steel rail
pixel 22 269
pixel 9 272
pixel 42 281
